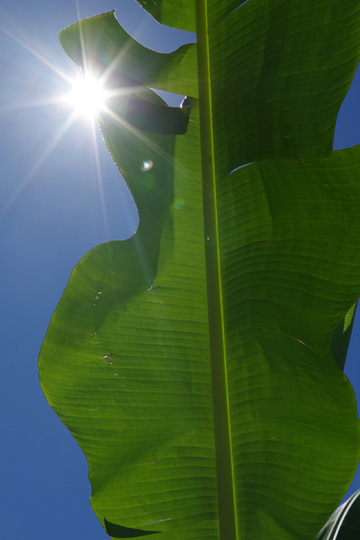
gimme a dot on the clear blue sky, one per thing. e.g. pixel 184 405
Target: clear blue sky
pixel 51 214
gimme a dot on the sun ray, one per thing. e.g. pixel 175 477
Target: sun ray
pixel 43 102
pixel 50 64
pixel 35 53
pixel 100 179
pixel 37 165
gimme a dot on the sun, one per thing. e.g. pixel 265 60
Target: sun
pixel 88 97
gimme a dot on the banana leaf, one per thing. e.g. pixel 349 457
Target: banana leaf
pixel 199 363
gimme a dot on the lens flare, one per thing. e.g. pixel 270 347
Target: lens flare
pixel 146 165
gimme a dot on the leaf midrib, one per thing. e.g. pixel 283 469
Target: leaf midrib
pixel 222 425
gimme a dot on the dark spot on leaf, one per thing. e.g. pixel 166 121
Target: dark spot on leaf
pixel 157 118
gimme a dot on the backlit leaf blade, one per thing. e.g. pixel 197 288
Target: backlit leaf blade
pixel 125 362
pixel 289 329
pixel 279 72
pixel 162 360
pixel 164 406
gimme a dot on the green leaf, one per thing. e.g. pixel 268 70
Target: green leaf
pixel 192 362
pixel 344 524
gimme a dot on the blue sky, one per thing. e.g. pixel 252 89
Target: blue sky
pixel 52 211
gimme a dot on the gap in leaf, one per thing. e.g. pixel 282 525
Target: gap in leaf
pixel 148 32
pixel 347 127
pixel 173 100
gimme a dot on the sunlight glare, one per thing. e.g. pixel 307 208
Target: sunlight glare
pixel 87 97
